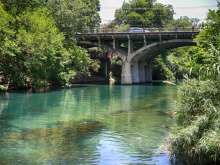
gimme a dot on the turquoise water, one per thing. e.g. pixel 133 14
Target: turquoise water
pixel 86 125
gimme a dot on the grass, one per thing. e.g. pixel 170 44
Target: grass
pixel 196 139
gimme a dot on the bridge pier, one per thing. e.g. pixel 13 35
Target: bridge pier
pixel 135 73
pixel 126 76
pixel 142 72
pixel 149 71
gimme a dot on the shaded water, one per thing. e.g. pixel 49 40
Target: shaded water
pixel 87 125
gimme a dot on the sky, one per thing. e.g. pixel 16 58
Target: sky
pixel 190 8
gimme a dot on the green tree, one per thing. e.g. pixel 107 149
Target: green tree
pixel 35 55
pixel 183 22
pixel 41 44
pixel 7 45
pixel 5 20
pixel 188 62
pixel 210 35
pixel 145 13
pixel 16 7
pixel 73 16
pixel 32 49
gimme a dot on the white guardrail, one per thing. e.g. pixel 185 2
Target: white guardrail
pixel 145 30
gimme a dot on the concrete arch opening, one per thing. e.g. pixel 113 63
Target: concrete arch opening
pixel 139 67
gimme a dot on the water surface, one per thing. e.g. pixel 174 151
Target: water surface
pixel 86 125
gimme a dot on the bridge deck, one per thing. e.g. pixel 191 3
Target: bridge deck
pixel 125 35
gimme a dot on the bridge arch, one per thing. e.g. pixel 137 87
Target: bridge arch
pixel 150 51
pixel 138 68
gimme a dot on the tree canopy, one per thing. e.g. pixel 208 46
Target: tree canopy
pixel 35 46
pixel 145 13
pixel 73 16
pixel 16 7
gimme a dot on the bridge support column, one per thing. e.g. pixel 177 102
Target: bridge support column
pixel 126 77
pixel 148 70
pixel 135 73
pixel 142 72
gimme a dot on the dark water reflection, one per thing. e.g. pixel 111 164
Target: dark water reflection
pixel 103 125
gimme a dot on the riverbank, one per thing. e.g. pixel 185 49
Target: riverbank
pixel 78 81
pixel 196 138
pixel 54 86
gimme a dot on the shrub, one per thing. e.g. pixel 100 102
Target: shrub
pixel 196 139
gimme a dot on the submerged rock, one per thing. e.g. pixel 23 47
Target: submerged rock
pixel 87 127
pixel 54 134
pixel 118 112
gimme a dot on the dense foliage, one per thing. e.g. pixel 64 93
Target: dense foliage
pixel 186 62
pixel 33 51
pixel 145 13
pixel 15 7
pixel 73 16
pixel 182 22
pixel 196 140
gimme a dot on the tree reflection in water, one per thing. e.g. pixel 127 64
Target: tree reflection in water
pixel 89 125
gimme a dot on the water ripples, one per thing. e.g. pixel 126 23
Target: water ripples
pixel 93 125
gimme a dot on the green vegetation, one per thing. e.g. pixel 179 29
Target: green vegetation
pixel 36 50
pixel 149 14
pixel 142 13
pixel 196 139
pixel 182 22
pixel 145 13
pixel 180 63
pixel 73 16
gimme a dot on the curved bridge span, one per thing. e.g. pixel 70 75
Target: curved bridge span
pixel 137 50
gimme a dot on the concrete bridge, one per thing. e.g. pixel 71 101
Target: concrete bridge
pixel 137 50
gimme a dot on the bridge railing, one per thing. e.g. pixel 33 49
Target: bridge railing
pixel 145 30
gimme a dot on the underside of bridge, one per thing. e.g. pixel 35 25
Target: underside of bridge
pixel 137 67
pixel 137 51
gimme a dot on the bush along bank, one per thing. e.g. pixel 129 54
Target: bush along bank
pixel 196 138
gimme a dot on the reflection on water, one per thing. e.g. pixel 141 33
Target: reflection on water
pixel 104 125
